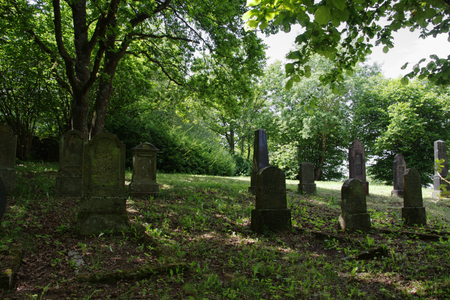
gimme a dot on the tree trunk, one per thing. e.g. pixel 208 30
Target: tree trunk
pixel 322 158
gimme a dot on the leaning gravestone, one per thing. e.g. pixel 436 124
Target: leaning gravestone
pixel 103 203
pixel 440 152
pixel 8 144
pixel 143 181
pixel 260 157
pixel 399 170
pixel 354 207
pixel 69 180
pixel 2 199
pixel 271 212
pixel 306 174
pixel 413 211
pixel 357 163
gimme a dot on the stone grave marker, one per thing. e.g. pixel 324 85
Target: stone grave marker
pixel 440 152
pixel 271 212
pixel 2 199
pixel 8 145
pixel 69 179
pixel 260 157
pixel 354 207
pixel 103 203
pixel 306 174
pixel 357 163
pixel 398 171
pixel 413 211
pixel 144 170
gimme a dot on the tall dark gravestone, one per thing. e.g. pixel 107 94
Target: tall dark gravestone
pixel 357 163
pixel 306 177
pixel 354 206
pixel 398 171
pixel 271 212
pixel 440 152
pixel 103 203
pixel 260 157
pixel 8 145
pixel 143 181
pixel 69 179
pixel 413 211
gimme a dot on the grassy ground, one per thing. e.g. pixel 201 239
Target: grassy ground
pixel 204 222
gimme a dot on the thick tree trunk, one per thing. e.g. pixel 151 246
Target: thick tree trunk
pixel 322 158
pixel 101 106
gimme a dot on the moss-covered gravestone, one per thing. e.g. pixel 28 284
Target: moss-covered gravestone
pixel 413 211
pixel 271 212
pixel 8 143
pixel 143 179
pixel 306 174
pixel 399 170
pixel 260 157
pixel 354 207
pixel 440 152
pixel 357 163
pixel 103 204
pixel 69 180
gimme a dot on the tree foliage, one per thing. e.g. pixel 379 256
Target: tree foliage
pixel 345 32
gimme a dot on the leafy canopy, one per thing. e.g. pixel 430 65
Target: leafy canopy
pixel 345 31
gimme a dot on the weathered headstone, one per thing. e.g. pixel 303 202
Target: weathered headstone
pixel 144 170
pixel 2 199
pixel 271 212
pixel 69 179
pixel 399 170
pixel 357 163
pixel 440 152
pixel 306 174
pixel 260 157
pixel 354 207
pixel 8 144
pixel 103 203
pixel 413 211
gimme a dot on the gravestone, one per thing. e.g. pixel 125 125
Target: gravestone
pixel 69 179
pixel 103 203
pixel 413 211
pixel 398 170
pixel 2 199
pixel 306 174
pixel 271 212
pixel 357 163
pixel 144 170
pixel 260 157
pixel 8 144
pixel 354 207
pixel 440 152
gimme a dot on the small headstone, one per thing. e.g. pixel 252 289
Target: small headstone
pixel 260 157
pixel 354 207
pixel 306 174
pixel 8 144
pixel 440 152
pixel 398 170
pixel 143 180
pixel 357 163
pixel 103 204
pixel 271 212
pixel 68 181
pixel 413 211
pixel 2 199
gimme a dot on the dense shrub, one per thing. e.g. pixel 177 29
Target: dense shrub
pixel 243 165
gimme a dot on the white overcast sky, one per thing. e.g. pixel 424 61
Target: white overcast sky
pixel 407 48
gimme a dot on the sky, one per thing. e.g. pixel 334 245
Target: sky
pixel 407 48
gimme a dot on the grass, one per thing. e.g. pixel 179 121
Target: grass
pixel 204 222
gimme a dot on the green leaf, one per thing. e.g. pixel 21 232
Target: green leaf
pixel 279 19
pixel 344 15
pixel 253 2
pixel 404 66
pixel 263 25
pixel 385 49
pixel 404 80
pixel 322 15
pixel 289 84
pixel 247 15
pixel 339 4
pixel 289 68
pixel 431 65
pixel 296 78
